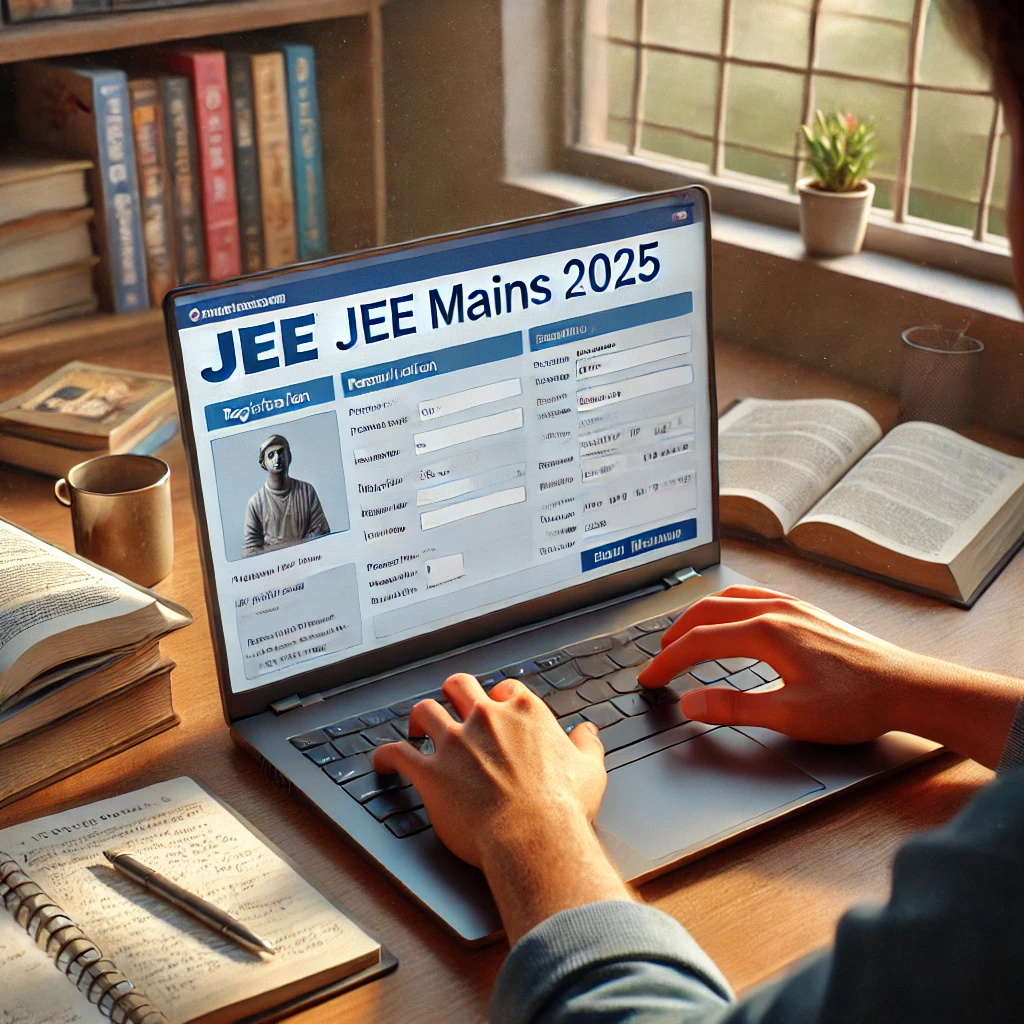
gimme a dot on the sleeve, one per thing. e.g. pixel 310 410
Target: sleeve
pixel 945 948
pixel 252 537
pixel 1013 753
pixel 318 525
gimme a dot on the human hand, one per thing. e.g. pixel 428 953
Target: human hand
pixel 841 685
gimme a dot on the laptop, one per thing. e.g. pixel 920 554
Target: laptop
pixel 494 452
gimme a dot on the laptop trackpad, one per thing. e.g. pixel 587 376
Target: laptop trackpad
pixel 671 800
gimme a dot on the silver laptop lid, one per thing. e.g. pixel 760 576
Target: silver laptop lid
pixel 412 448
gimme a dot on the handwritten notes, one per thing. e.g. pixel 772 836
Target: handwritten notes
pixel 183 833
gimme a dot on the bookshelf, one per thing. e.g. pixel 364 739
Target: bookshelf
pixel 347 36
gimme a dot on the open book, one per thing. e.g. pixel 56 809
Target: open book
pixel 187 972
pixel 921 507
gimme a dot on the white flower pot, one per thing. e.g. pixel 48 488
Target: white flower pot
pixel 833 223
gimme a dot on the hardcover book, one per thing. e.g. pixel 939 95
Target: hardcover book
pixel 45 242
pixel 277 191
pixel 153 188
pixel 247 171
pixel 207 70
pixel 183 165
pixel 35 10
pixel 33 184
pixel 307 159
pixel 85 112
pixel 45 298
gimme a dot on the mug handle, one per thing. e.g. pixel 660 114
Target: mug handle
pixel 60 492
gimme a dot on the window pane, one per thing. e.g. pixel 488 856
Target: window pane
pixel 693 25
pixel 1000 188
pixel 854 36
pixel 883 106
pixel 772 30
pixel 681 92
pixel 764 108
pixel 621 70
pixel 676 144
pixel 945 60
pixel 619 132
pixel 622 18
pixel 775 168
pixel 949 156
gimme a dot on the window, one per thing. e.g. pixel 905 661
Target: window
pixel 720 86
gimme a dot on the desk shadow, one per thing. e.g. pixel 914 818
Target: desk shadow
pixel 178 919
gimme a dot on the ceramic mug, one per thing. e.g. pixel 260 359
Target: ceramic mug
pixel 121 514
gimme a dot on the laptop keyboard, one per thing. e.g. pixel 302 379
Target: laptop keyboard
pixel 593 681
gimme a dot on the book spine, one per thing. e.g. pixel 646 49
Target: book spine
pixel 277 195
pixel 247 172
pixel 183 163
pixel 307 158
pixel 36 10
pixel 153 188
pixel 212 104
pixel 125 254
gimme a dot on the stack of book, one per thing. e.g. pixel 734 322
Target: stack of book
pixel 81 673
pixel 82 411
pixel 17 11
pixel 207 163
pixel 46 253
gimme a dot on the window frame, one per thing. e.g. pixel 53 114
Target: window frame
pixel 895 232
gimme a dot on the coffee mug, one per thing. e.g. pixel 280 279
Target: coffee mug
pixel 121 514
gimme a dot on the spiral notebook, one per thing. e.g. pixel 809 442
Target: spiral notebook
pixel 134 959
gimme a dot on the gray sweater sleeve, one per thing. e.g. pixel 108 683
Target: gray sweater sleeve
pixel 1013 753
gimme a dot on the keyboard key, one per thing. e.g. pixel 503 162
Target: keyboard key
pixel 537 685
pixel 624 636
pixel 570 722
pixel 638 727
pixel 684 684
pixel 393 802
pixel 522 668
pixel 382 734
pixel 349 768
pixel 765 671
pixel 345 727
pixel 424 744
pixel 623 681
pixel 563 677
pixel 651 644
pixel 565 702
pixel 659 624
pixel 408 823
pixel 308 739
pixel 377 717
pixel 736 664
pixel 631 704
pixel 403 707
pixel 595 666
pixel 552 660
pixel 491 679
pixel 373 784
pixel 323 754
pixel 348 746
pixel 745 680
pixel 402 725
pixel 628 656
pixel 596 645
pixel 658 696
pixel 708 672
pixel 602 715
pixel 595 691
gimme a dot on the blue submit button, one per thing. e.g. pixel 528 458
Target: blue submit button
pixel 638 544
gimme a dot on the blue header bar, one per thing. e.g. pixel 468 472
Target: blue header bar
pixel 431 364
pixel 638 544
pixel 607 321
pixel 233 412
pixel 437 259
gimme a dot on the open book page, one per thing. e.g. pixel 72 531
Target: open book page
pixel 45 591
pixel 923 491
pixel 787 454
pixel 32 990
pixel 179 830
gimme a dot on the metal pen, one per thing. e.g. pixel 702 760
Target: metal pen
pixel 213 917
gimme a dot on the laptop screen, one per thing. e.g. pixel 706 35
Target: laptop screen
pixel 393 444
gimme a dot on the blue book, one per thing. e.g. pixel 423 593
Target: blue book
pixel 307 160
pixel 152 443
pixel 86 112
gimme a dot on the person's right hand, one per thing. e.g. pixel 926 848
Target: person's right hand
pixel 841 685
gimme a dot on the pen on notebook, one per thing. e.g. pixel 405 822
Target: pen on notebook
pixel 213 917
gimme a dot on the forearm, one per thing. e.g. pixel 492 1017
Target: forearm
pixel 964 709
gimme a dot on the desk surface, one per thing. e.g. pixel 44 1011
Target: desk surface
pixel 755 906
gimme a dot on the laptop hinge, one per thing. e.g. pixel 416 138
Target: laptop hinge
pixel 681 576
pixel 294 702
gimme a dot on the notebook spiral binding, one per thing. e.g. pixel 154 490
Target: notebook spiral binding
pixel 71 950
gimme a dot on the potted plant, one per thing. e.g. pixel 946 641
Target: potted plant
pixel 835 201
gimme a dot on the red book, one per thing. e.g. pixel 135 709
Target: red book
pixel 207 70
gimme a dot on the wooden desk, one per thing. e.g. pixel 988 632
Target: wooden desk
pixel 755 906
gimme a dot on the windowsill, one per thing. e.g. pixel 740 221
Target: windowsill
pixel 887 271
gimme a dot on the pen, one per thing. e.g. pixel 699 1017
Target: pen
pixel 213 917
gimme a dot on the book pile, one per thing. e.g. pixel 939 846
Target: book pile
pixel 206 163
pixel 18 11
pixel 46 254
pixel 81 412
pixel 81 673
